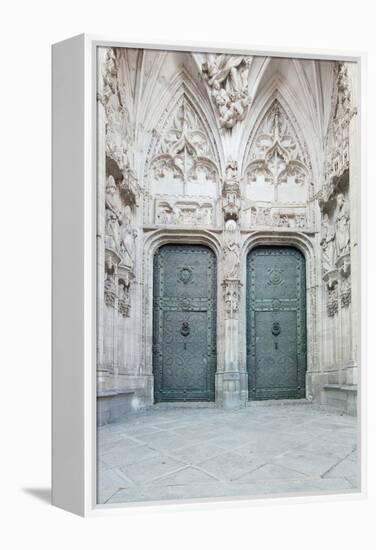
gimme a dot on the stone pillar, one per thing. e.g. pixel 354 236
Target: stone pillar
pixel 232 383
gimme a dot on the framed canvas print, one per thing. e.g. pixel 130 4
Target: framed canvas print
pixel 206 319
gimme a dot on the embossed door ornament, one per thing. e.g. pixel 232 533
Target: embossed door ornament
pixel 185 275
pixel 185 330
pixel 275 276
pixel 185 303
pixel 276 329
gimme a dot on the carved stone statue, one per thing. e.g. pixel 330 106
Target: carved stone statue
pixel 342 226
pixel 231 250
pixel 327 244
pixel 109 283
pixel 128 248
pixel 113 213
pixel 124 302
pixel 227 76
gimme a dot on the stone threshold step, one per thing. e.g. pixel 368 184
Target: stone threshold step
pixel 280 402
pixel 341 387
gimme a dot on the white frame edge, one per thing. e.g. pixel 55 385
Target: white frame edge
pixel 74 274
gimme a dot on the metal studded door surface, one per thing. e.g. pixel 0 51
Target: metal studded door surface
pixel 276 323
pixel 184 335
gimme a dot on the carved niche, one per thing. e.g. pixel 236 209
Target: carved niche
pixel 277 167
pixel 227 79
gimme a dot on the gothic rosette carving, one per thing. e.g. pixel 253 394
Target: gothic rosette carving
pixel 227 80
pixel 182 149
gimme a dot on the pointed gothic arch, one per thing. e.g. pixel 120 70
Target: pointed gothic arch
pixel 183 162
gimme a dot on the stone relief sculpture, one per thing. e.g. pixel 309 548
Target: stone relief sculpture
pixel 184 213
pixel 275 217
pixel 227 77
pixel 231 250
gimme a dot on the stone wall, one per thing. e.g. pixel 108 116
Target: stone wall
pixel 231 152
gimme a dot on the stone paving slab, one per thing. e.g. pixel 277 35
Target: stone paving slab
pixel 174 453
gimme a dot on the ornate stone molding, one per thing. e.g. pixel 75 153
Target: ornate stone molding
pixel 227 79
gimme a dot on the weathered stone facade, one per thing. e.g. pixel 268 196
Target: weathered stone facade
pixel 229 152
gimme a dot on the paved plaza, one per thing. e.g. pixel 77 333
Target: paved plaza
pixel 184 452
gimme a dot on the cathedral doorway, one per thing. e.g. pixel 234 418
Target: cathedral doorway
pixel 276 323
pixel 184 323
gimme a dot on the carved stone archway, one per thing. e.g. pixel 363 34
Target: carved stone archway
pixel 152 243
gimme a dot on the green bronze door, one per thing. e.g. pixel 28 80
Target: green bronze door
pixel 184 332
pixel 276 323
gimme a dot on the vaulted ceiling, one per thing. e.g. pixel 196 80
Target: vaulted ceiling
pixel 153 78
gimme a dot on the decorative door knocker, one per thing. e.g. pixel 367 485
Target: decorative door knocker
pixel 276 331
pixel 185 330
